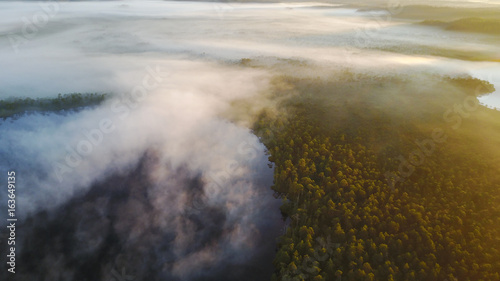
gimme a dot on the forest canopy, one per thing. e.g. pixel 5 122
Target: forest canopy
pixel 333 148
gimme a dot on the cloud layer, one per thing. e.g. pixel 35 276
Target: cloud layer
pixel 156 183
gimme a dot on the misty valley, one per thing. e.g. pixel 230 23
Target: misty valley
pixel 198 141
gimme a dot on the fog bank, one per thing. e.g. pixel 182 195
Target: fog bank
pixel 165 179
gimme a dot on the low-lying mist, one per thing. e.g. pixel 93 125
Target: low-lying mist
pixel 153 174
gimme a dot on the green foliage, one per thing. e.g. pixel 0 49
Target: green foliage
pixel 346 223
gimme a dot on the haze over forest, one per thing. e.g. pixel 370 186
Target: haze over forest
pixel 192 140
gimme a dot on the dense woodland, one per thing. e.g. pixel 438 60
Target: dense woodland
pixel 332 150
pixel 16 107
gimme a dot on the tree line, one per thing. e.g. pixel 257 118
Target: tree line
pixel 346 223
